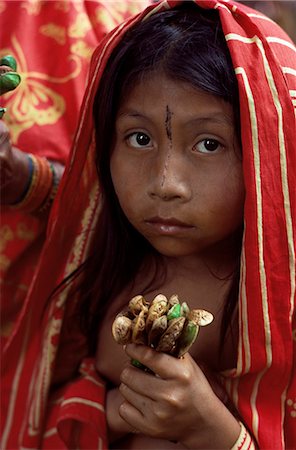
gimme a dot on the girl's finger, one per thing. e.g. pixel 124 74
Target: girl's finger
pixel 132 416
pixel 162 364
pixel 141 382
pixel 139 401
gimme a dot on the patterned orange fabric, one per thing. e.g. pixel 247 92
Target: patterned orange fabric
pixel 52 42
pixel 263 385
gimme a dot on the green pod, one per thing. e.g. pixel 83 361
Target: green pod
pixel 187 338
pixel 174 312
pixel 141 366
pixel 2 111
pixel 9 61
pixel 184 309
pixel 137 364
pixel 9 81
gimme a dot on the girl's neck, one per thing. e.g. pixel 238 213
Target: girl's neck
pixel 219 262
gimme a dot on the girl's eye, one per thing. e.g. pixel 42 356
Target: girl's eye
pixel 208 146
pixel 138 139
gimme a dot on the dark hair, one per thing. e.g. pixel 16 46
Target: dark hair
pixel 187 44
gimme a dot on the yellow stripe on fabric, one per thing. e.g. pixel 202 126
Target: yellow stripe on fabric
pixel 35 404
pixel 94 381
pixel 27 448
pixel 289 70
pixel 100 444
pixel 83 401
pixel 221 6
pixel 14 391
pixel 283 410
pixel 259 16
pixel 50 432
pixel 276 40
pixel 245 335
pixel 255 141
pixel 159 7
pixel 40 383
pixel 80 245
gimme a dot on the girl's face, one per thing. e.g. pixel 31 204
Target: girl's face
pixel 176 168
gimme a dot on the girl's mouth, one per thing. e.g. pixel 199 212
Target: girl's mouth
pixel 168 225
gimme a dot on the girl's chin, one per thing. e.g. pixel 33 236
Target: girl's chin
pixel 175 249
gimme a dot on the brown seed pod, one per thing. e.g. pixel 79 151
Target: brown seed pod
pixel 173 300
pixel 158 328
pixel 139 335
pixel 122 329
pixel 158 308
pixel 200 317
pixel 137 304
pixel 169 338
pixel 184 309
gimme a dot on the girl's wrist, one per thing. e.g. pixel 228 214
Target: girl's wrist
pixel 223 431
pixel 15 177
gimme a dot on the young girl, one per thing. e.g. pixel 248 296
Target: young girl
pixel 188 124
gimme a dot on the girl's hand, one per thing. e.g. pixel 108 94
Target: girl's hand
pixel 14 169
pixel 177 404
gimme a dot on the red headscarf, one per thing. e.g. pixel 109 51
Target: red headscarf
pixel 263 385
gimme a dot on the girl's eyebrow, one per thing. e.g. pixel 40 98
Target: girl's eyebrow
pixel 219 118
pixel 131 113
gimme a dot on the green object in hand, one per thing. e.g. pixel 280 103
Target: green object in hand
pixel 9 78
pixel 141 366
pixel 137 364
pixel 9 81
pixel 9 61
pixel 174 312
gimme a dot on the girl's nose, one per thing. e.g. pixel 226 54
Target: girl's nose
pixel 170 177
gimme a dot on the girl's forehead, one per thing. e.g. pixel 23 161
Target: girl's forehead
pixel 159 94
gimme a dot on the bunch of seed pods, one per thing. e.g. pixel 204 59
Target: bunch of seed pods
pixel 164 324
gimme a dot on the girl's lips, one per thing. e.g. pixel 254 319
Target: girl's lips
pixel 167 225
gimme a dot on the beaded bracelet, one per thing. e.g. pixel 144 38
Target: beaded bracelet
pixel 40 185
pixel 244 441
pixel 53 191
